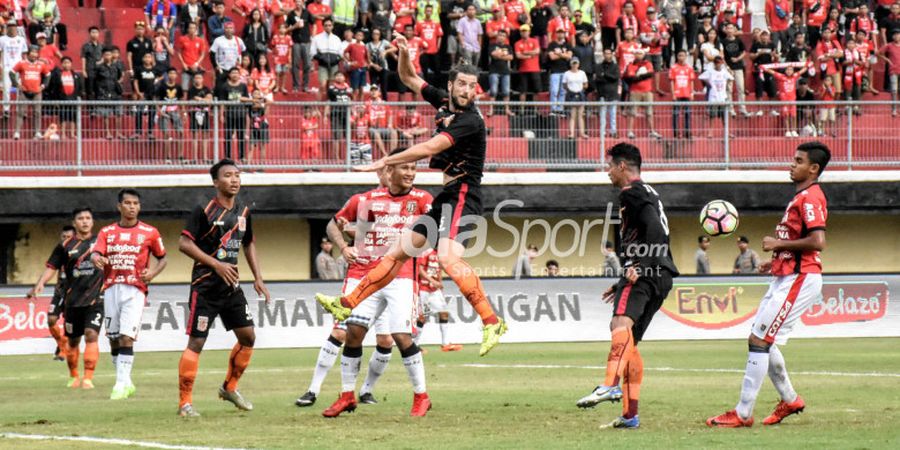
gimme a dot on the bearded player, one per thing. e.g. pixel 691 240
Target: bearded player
pixel 797 269
pixel 643 287
pixel 213 237
pixel 123 251
pixel 458 149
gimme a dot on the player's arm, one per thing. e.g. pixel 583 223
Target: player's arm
pixel 98 251
pixel 38 287
pixel 158 252
pixel 336 236
pixel 405 67
pixel 253 261
pixel 815 241
pixel 427 149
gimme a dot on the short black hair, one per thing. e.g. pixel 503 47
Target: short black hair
pixel 172 68
pixel 397 150
pixel 702 238
pixel 608 244
pixel 214 170
pixel 818 153
pixel 326 20
pixel 552 262
pixel 92 28
pixel 744 239
pixel 465 69
pixel 64 59
pixel 67 228
pixel 624 151
pixel 128 191
pixel 107 49
pixel 81 209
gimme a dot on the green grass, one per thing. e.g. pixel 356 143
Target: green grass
pixel 473 407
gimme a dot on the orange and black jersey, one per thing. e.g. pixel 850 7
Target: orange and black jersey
pixel 467 133
pixel 219 232
pixel 645 230
pixel 83 280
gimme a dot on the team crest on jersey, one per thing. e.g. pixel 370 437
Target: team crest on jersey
pixel 410 207
pixel 125 237
pixel 140 239
pixel 242 223
pixel 202 323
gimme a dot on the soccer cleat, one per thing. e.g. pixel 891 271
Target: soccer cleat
pixel 785 409
pixel 131 389
pixel 58 355
pixel 730 419
pixel 451 348
pixel 235 398
pixel 333 306
pixel 600 394
pixel 307 399
pixel 87 384
pixel 421 405
pixel 188 411
pixel 622 422
pixel 367 399
pixel 74 382
pixel 491 336
pixel 346 402
pixel 121 392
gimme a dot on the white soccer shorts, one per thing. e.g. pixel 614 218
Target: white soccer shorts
pixel 395 305
pixel 123 305
pixel 433 302
pixel 786 300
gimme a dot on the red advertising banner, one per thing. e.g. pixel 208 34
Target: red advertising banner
pixel 22 318
pixel 848 302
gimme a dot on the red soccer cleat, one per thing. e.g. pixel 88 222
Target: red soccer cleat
pixel 345 402
pixel 421 405
pixel 730 419
pixel 451 348
pixel 785 409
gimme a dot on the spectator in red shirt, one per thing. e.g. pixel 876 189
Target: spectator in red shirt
pixel 431 32
pixel 867 48
pixel 381 122
pixel 682 78
pixel 66 84
pixel 653 32
pixel 890 53
pixel 828 53
pixel 787 92
pixel 627 21
pixel 528 53
pixel 310 145
pixel 282 46
pixel 405 13
pixel 357 58
pixel 416 45
pixel 815 13
pixel 497 23
pixel 30 74
pixel 410 125
pixel 516 14
pixel 641 7
pixel 263 78
pixel 778 19
pixel 639 76
pixel 319 12
pixel 562 22
pixel 48 53
pixel 608 12
pixel 192 50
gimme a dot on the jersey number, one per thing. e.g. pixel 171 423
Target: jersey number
pixel 662 213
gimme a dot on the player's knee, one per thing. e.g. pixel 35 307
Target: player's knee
pixel 384 340
pixel 338 336
pixel 404 343
pixel 51 321
pixel 444 317
pixel 620 322
pixel 247 339
pixel 90 336
pixel 757 345
pixel 74 342
pixel 195 344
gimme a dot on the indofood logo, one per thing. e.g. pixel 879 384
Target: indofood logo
pixel 713 306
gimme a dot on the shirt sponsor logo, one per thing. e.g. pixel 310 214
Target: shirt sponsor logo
pixel 125 237
pixel 221 254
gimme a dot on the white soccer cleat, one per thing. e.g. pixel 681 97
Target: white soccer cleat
pixel 599 395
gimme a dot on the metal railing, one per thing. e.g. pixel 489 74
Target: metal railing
pixel 122 137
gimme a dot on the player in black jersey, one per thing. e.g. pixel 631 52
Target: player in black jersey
pixel 82 297
pixel 213 237
pixel 57 303
pixel 647 280
pixel 458 148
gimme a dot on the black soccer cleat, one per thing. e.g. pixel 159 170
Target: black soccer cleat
pixel 368 399
pixel 307 399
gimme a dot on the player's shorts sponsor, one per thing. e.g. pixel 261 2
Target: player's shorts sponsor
pixel 713 306
pixel 848 302
pixel 22 318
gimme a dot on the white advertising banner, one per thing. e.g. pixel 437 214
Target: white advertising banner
pixel 537 309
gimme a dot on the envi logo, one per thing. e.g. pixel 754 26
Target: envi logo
pixel 713 306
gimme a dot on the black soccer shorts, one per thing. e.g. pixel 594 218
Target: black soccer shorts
pixel 80 318
pixel 640 301
pixel 228 303
pixel 453 213
pixel 56 305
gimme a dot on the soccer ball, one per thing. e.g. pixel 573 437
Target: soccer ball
pixel 719 218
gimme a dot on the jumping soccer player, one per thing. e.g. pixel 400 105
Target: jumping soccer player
pixel 432 300
pixel 83 300
pixel 458 149
pixel 381 216
pixel 123 251
pixel 57 303
pixel 213 237
pixel 797 285
pixel 640 292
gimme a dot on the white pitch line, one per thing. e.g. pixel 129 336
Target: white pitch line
pixel 158 373
pixel 678 369
pixel 110 441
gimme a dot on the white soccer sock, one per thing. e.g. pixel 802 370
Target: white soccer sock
pixel 350 368
pixel 445 333
pixel 779 376
pixel 123 369
pixel 754 374
pixel 415 367
pixel 377 365
pixel 327 356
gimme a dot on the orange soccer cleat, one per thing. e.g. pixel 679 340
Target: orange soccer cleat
pixel 346 402
pixel 421 405
pixel 451 348
pixel 785 409
pixel 730 419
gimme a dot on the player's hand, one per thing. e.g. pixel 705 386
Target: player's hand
pixel 260 286
pixel 631 274
pixel 147 275
pixel 769 243
pixel 350 254
pixel 609 294
pixel 402 44
pixel 99 261
pixel 765 267
pixel 35 291
pixel 375 166
pixel 438 285
pixel 228 272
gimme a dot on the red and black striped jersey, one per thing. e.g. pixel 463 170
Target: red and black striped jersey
pixel 219 232
pixel 83 280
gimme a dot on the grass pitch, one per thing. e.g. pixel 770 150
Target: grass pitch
pixel 526 400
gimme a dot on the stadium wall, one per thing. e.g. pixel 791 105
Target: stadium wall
pixel 538 310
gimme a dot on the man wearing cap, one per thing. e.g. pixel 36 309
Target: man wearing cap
pixel 49 54
pixel 638 75
pixel 559 52
pixel 12 46
pixel 528 53
pixel 30 73
pixel 327 266
pixel 747 260
pixel 653 32
pixel 582 11
pixel 497 23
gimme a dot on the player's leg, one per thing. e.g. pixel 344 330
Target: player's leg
pixel 350 364
pixel 400 312
pixel 58 335
pixel 130 306
pixel 74 331
pixel 379 360
pixel 438 303
pixel 91 347
pixel 382 274
pixel 324 362
pixel 236 317
pixel 202 314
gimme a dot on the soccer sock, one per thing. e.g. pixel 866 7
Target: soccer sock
pixel 123 366
pixel 444 325
pixel 779 376
pixel 187 372
pixel 91 355
pixel 757 366
pixel 415 367
pixel 377 365
pixel 350 368
pixel 237 364
pixel 60 338
pixel 115 356
pixel 72 360
pixel 376 279
pixel 327 356
pixel 470 286
pixel 633 377
pixel 619 352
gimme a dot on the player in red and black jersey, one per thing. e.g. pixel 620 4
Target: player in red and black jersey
pixel 643 287
pixel 457 148
pixel 83 299
pixel 57 303
pixel 797 285
pixel 213 237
